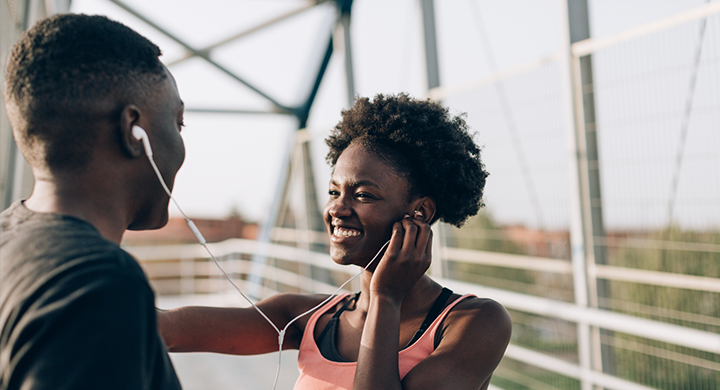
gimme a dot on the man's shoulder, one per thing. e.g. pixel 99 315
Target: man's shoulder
pixel 44 243
pixel 47 259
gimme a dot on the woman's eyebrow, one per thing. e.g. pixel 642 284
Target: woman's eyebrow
pixel 358 183
pixel 367 183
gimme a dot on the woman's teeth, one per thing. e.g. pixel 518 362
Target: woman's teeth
pixel 342 232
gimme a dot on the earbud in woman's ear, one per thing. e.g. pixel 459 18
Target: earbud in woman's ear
pixel 418 215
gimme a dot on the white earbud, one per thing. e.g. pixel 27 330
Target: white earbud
pixel 141 135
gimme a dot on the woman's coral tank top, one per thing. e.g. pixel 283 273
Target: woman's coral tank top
pixel 318 373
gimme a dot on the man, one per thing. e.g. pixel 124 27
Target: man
pixel 77 311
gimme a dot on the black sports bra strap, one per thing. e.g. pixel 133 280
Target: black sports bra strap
pixel 345 305
pixel 326 341
pixel 434 312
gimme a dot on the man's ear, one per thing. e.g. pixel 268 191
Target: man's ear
pixel 130 117
pixel 424 206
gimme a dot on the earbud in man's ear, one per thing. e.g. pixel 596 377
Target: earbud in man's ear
pixel 141 135
pixel 418 215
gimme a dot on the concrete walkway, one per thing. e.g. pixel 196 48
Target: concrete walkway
pixel 209 371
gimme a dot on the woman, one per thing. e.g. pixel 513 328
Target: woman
pixel 399 164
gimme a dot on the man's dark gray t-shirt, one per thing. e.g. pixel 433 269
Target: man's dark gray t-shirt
pixel 76 311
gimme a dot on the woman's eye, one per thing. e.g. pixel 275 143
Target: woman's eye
pixel 363 195
pixel 333 193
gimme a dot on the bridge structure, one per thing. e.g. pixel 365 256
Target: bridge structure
pixel 602 229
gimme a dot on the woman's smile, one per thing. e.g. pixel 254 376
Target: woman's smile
pixel 341 232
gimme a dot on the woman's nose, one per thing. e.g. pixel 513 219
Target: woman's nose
pixel 338 208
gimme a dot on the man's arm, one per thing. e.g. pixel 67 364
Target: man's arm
pixel 237 331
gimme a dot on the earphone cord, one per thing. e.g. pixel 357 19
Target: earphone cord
pixel 281 333
pixel 202 241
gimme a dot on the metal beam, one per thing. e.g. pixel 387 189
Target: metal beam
pixel 201 54
pixel 281 194
pixel 57 6
pixel 441 92
pixel 344 8
pixel 578 250
pixel 247 32
pixel 303 111
pixel 589 174
pixel 259 259
pixel 431 54
pixel 590 45
pixel 233 111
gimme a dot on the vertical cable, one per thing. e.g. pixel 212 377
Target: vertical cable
pixel 684 128
pixel 509 117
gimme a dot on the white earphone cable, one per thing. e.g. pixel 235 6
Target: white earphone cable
pixel 201 239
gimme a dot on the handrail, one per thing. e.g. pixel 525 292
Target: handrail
pixel 587 46
pixel 571 370
pixel 533 263
pixel 657 330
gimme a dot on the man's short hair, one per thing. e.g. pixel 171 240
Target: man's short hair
pixel 60 75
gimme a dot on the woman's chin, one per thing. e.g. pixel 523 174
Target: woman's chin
pixel 340 257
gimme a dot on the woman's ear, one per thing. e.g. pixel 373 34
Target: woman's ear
pixel 130 117
pixel 424 208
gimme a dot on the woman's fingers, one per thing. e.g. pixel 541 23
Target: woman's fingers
pixel 428 247
pixel 396 241
pixel 407 255
pixel 411 230
pixel 424 235
pixel 410 237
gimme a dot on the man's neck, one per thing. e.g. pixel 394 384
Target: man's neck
pixel 101 208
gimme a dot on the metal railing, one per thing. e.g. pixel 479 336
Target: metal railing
pixel 200 275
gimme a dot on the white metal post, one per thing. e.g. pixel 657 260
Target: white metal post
pixel 577 239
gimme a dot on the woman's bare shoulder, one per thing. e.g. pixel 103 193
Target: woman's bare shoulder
pixel 477 316
pixel 473 305
pixel 474 336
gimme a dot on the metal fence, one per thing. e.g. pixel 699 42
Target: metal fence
pixel 614 189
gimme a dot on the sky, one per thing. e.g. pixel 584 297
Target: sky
pixel 233 161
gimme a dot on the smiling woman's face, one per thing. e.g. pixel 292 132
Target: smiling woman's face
pixel 366 198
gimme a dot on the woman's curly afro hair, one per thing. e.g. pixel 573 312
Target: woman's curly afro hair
pixel 424 143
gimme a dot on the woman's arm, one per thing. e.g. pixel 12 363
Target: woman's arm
pixel 409 255
pixel 238 331
pixel 476 334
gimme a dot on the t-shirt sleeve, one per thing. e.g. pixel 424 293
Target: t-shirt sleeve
pixel 96 331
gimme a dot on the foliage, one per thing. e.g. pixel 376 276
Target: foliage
pixel 661 365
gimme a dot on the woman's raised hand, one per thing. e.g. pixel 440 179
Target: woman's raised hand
pixel 406 259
